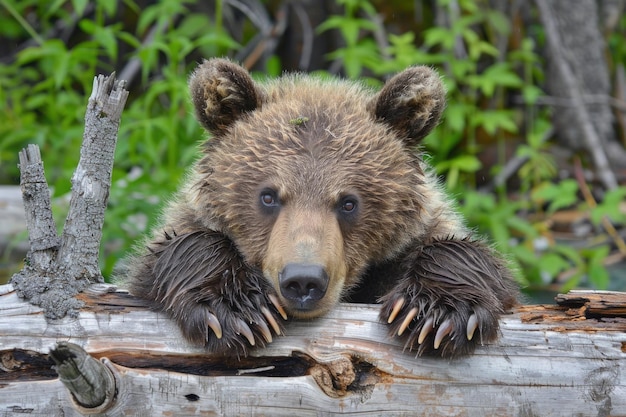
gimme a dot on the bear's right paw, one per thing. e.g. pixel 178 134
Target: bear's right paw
pixel 215 297
pixel 223 326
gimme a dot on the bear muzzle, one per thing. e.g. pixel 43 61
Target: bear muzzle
pixel 303 285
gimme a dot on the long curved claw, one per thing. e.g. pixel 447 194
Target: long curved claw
pixel 426 329
pixel 214 324
pixel 279 307
pixel 243 329
pixel 271 320
pixel 407 320
pixel 472 325
pixel 265 331
pixel 443 331
pixel 396 309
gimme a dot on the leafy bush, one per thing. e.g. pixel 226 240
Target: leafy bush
pixel 45 81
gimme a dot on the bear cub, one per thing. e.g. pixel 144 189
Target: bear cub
pixel 310 192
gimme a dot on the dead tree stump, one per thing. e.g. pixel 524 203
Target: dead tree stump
pixel 58 268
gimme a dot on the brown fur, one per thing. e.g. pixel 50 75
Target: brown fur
pixel 312 146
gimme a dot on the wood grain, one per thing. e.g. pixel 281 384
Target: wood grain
pixel 549 361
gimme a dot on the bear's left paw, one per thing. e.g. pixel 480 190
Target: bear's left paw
pixel 449 298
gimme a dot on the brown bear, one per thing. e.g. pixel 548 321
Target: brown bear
pixel 309 192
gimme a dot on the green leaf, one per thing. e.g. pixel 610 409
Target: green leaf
pixel 561 195
pixel 552 264
pixel 195 25
pixel 104 36
pixel 524 254
pixel 497 75
pixel 501 74
pixel 80 6
pixel 462 163
pixel 439 36
pixel 129 39
pixel 147 17
pixel 522 226
pixel 454 117
pixel 499 21
pixel 531 94
pixel 596 272
pixel 109 7
pixel 214 39
pixel 333 22
pixel 492 120
pixel 570 253
pixel 612 206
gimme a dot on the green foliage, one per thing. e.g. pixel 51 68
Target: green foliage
pixel 478 76
pixel 358 51
pixel 557 196
pixel 610 207
pixel 43 96
pixel 43 93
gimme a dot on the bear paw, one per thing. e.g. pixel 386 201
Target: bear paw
pixel 449 298
pixel 232 325
pixel 436 329
pixel 216 298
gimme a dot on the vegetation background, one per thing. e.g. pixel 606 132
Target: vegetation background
pixel 531 144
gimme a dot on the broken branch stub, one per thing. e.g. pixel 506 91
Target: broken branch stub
pixel 42 233
pixel 56 268
pixel 90 382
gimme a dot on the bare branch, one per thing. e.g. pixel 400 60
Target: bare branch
pixel 42 233
pixel 80 243
pixel 307 35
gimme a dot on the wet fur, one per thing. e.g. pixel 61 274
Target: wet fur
pixel 201 272
pixel 216 246
pixel 450 279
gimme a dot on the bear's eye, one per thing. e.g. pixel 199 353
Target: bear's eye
pixel 348 205
pixel 269 198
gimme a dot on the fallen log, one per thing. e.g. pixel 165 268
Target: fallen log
pixel 551 360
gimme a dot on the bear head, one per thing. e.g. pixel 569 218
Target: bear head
pixel 313 179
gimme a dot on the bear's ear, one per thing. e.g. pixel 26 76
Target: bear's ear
pixel 222 92
pixel 411 103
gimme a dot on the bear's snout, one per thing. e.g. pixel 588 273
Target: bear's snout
pixel 303 284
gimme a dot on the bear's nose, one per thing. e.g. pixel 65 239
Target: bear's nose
pixel 303 284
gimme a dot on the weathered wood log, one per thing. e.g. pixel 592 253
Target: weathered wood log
pixel 561 360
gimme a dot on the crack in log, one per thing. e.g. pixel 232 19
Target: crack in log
pixel 339 377
pixel 25 365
